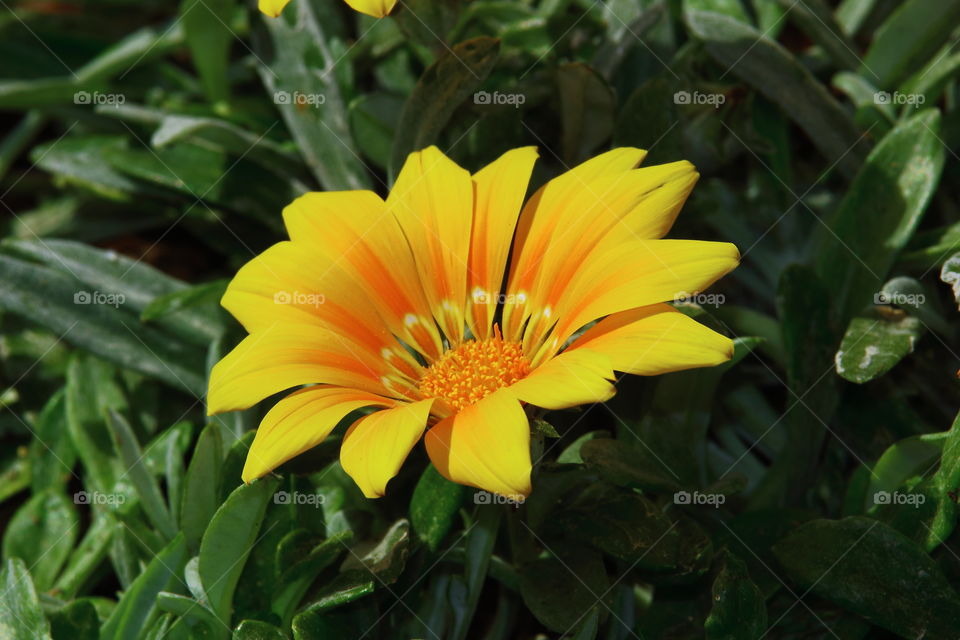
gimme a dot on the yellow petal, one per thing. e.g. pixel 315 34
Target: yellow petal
pixel 499 189
pixel 355 230
pixel 290 355
pixel 272 7
pixel 291 283
pixel 654 340
pixel 486 445
pixel 544 214
pixel 300 422
pixel 375 446
pixel 639 204
pixel 624 275
pixel 567 380
pixel 375 8
pixel 433 201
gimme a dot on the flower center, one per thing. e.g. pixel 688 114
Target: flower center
pixel 474 370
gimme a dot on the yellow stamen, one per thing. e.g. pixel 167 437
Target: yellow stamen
pixel 474 370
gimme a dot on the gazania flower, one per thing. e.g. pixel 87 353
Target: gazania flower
pixel 401 306
pixel 375 8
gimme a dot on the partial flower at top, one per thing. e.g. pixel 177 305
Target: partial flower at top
pixel 398 305
pixel 375 8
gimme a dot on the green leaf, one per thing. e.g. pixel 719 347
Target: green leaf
pixel 950 273
pixel 67 307
pixel 946 481
pixel 21 617
pixel 479 547
pixel 303 67
pixel 136 48
pixel 908 38
pixel 625 465
pixel 870 569
pixel 360 576
pixel 456 75
pixel 739 609
pixel 77 620
pixel 297 574
pixel 16 474
pixel 634 529
pixel 137 608
pixel 209 38
pixel 52 456
pixel 875 341
pixel 42 533
pixel 373 121
pixel 91 391
pixel 891 192
pixel 563 590
pixel 587 110
pixel 258 630
pixel 772 71
pixel 86 558
pixel 201 488
pixel 434 507
pixel 903 460
pixel 228 541
pixel 151 499
pixel 814 17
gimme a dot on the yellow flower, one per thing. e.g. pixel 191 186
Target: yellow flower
pixel 397 306
pixel 375 8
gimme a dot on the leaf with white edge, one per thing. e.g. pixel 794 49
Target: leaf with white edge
pixel 228 540
pixel 950 273
pixel 875 341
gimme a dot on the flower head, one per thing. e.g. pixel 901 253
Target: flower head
pixel 452 307
pixel 375 8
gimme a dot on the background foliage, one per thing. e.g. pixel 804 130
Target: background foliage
pixel 805 490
